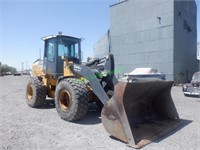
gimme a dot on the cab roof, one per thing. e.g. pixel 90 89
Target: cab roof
pixel 59 35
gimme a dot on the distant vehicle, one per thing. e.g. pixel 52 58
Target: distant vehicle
pixel 193 88
pixel 17 74
pixel 8 73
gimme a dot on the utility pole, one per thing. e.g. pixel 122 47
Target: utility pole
pixel 22 71
pixel 26 67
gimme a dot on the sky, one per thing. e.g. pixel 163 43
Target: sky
pixel 24 22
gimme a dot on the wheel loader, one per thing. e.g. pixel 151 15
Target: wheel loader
pixel 136 111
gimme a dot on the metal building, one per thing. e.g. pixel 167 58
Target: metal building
pixel 160 34
pixel 198 53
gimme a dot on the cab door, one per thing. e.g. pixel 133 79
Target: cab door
pixel 50 56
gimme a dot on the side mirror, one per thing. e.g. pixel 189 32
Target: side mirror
pixel 64 57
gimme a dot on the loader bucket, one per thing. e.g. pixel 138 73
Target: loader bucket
pixel 140 112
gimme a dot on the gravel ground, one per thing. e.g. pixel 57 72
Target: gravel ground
pixel 25 128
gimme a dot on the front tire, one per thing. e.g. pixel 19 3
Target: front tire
pixel 35 92
pixel 71 99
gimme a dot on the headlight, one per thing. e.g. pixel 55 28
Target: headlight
pixel 184 87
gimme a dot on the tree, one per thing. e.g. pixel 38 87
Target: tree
pixel 5 68
pixel 12 69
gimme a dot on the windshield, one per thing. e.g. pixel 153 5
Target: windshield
pixel 196 76
pixel 68 47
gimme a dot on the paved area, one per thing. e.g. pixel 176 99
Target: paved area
pixel 25 128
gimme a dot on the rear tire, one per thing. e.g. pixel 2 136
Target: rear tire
pixel 35 92
pixel 71 99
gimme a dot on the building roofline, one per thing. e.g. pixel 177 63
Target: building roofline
pixel 118 3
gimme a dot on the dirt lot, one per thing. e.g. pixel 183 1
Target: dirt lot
pixel 22 127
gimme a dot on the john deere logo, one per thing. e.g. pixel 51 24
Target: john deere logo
pixel 77 68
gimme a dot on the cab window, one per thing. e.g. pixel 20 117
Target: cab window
pixel 50 47
pixel 68 47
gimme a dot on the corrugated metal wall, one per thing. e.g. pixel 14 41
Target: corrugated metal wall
pixel 143 34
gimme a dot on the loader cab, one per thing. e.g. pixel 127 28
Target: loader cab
pixel 56 47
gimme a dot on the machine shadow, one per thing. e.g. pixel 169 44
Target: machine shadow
pixel 49 104
pixel 92 117
pixel 182 125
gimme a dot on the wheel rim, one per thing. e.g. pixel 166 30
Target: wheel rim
pixel 29 92
pixel 65 100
